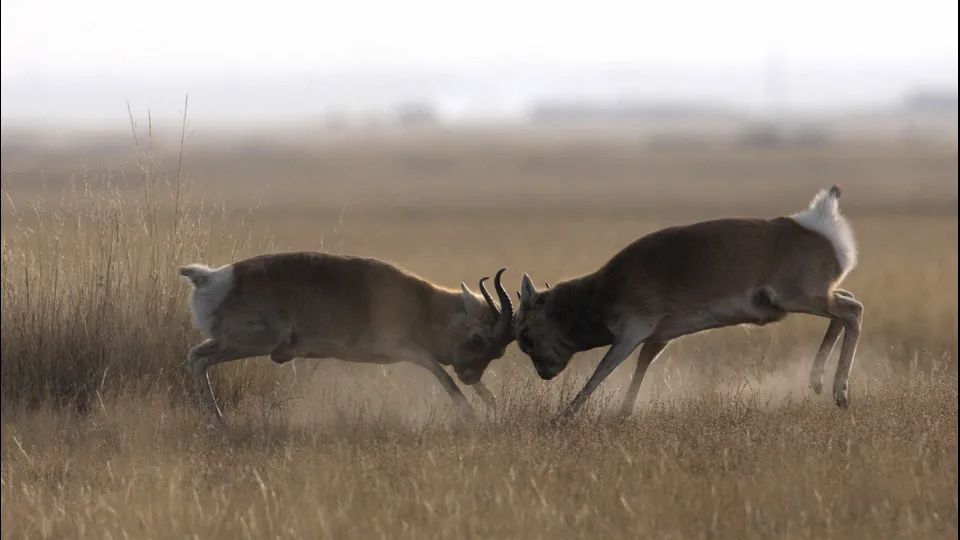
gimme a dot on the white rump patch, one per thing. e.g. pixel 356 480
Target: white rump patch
pixel 208 293
pixel 823 217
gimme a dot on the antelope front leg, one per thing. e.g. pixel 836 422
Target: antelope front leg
pixel 451 387
pixel 618 352
pixel 485 395
pixel 648 353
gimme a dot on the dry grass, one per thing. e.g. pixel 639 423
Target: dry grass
pixel 715 466
pixel 100 438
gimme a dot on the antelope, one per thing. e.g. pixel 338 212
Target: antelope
pixel 318 305
pixel 682 280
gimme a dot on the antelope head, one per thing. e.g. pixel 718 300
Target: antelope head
pixel 485 331
pixel 540 333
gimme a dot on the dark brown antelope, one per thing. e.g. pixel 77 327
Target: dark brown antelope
pixel 316 305
pixel 683 280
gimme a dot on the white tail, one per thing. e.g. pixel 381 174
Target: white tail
pixel 823 216
pixel 197 274
pixel 211 286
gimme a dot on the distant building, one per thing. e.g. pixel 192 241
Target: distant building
pixel 931 101
pixel 623 112
pixel 415 114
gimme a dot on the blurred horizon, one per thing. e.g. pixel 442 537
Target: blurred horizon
pixel 427 62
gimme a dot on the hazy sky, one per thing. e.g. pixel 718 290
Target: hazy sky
pixel 78 57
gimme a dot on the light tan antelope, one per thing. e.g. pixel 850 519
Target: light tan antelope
pixel 316 305
pixel 682 280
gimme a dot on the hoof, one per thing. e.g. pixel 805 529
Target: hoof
pixel 817 387
pixel 842 401
pixel 841 395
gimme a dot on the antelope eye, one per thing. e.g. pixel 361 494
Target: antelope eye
pixel 476 342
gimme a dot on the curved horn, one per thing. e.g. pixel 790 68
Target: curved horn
pixel 505 322
pixel 487 297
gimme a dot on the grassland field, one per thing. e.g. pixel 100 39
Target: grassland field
pixel 101 436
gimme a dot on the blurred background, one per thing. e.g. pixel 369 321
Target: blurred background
pixel 764 71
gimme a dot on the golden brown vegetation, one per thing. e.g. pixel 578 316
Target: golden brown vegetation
pixel 100 436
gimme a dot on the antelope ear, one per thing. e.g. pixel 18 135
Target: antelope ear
pixel 527 291
pixel 470 301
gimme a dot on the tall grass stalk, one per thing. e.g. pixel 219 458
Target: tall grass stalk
pixel 91 302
